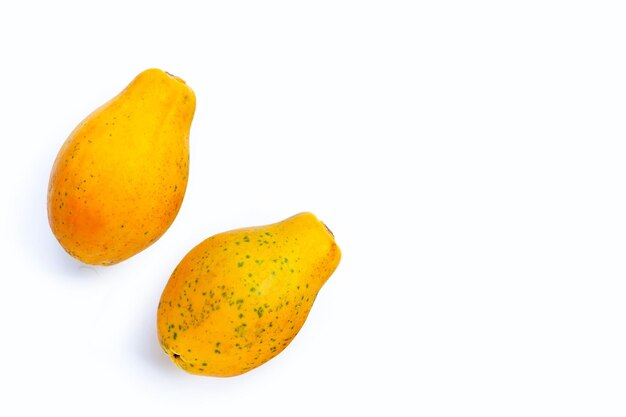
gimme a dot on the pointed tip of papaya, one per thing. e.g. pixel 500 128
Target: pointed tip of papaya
pixel 175 77
pixel 330 232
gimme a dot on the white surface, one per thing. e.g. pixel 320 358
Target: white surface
pixel 469 157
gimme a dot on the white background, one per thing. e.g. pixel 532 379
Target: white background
pixel 468 155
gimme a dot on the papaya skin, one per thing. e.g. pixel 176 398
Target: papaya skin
pixel 239 298
pixel 119 179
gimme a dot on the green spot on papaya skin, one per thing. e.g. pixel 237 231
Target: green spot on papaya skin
pixel 175 335
pixel 259 311
pixel 239 264
pixel 241 329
